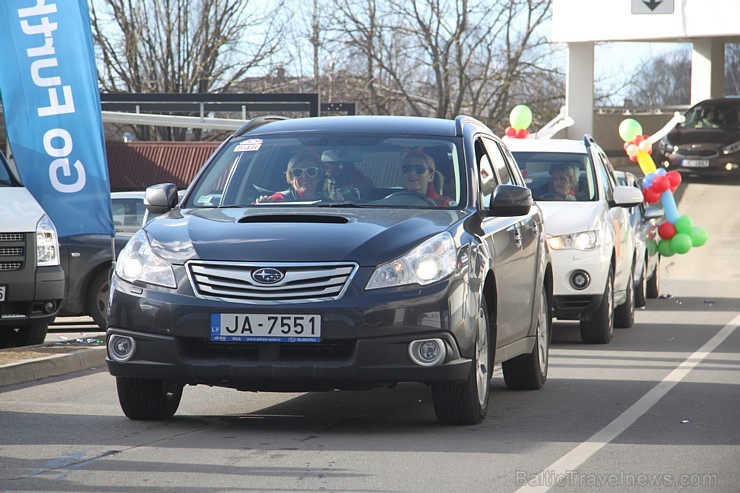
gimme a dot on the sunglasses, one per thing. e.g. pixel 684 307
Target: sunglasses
pixel 419 169
pixel 298 172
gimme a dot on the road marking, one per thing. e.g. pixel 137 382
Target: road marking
pixel 570 461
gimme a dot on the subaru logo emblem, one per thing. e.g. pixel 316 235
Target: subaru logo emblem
pixel 267 275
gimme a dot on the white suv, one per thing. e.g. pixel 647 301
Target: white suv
pixel 588 229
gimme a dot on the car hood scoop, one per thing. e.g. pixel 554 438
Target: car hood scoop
pixel 293 218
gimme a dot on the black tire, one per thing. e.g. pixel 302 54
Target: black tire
pixel 640 287
pixel 652 289
pixel 599 329
pixel 466 402
pixel 529 371
pixel 24 335
pixel 146 399
pixel 624 314
pixel 97 298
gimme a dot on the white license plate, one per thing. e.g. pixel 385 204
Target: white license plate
pixel 2 293
pixel 228 327
pixel 695 163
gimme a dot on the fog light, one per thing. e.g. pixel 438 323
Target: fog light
pixel 50 306
pixel 730 166
pixel 427 352
pixel 580 280
pixel 121 348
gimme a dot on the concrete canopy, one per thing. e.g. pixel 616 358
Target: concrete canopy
pixel 707 24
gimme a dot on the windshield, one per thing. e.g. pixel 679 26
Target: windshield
pixel 333 170
pixel 714 116
pixel 558 175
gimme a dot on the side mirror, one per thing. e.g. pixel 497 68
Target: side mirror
pixel 653 213
pixel 625 196
pixel 511 200
pixel 161 198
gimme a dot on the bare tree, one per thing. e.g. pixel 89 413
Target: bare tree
pixel 663 81
pixel 442 58
pixel 180 46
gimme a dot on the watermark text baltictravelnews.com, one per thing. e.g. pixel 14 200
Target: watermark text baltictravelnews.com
pixel 575 478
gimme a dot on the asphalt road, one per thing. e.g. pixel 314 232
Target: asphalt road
pixel 657 410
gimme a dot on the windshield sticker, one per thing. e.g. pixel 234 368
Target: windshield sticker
pixel 249 145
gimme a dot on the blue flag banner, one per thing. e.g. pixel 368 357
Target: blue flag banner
pixel 51 103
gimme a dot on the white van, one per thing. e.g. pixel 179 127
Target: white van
pixel 31 277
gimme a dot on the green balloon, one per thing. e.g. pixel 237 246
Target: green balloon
pixel 664 248
pixel 684 225
pixel 698 236
pixel 520 117
pixel 681 243
pixel 629 129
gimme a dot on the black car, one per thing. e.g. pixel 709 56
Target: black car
pixel 264 280
pixel 708 142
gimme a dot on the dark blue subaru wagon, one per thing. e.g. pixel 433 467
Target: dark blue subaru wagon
pixel 337 253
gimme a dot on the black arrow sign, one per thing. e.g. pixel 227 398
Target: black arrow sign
pixel 652 4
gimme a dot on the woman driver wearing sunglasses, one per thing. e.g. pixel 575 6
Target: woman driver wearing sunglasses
pixel 420 176
pixel 304 174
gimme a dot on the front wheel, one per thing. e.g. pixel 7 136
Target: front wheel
pixel 653 284
pixel 529 371
pixel 624 314
pixel 97 298
pixel 142 398
pixel 25 335
pixel 599 329
pixel 466 402
pixel 640 287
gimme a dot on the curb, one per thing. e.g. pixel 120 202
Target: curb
pixel 52 366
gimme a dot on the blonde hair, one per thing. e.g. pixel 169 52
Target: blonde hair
pixel 568 171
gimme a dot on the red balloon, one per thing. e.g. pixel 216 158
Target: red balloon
pixel 522 133
pixel 666 231
pixel 651 195
pixel 510 132
pixel 633 159
pixel 661 184
pixel 675 178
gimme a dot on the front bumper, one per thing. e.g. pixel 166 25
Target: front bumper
pixel 570 303
pixel 715 166
pixel 364 341
pixel 27 296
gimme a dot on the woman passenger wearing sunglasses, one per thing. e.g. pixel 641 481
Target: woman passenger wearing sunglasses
pixel 304 175
pixel 420 176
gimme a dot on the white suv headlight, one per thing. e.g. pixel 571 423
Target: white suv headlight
pixel 47 243
pixel 585 240
pixel 138 262
pixel 429 262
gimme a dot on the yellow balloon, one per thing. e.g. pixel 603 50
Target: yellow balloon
pixel 646 163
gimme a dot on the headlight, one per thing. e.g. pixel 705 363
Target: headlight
pixel 731 148
pixel 665 146
pixel 431 261
pixel 138 262
pixel 47 243
pixel 586 240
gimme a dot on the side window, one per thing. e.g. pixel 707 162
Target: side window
pixel 516 173
pixel 487 177
pixel 606 180
pixel 499 162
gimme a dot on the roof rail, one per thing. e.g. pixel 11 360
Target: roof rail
pixel 588 140
pixel 460 122
pixel 258 122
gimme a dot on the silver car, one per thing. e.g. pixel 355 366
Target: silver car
pixel 644 221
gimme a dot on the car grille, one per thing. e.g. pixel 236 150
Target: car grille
pixel 573 303
pixel 704 153
pixel 12 251
pixel 302 282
